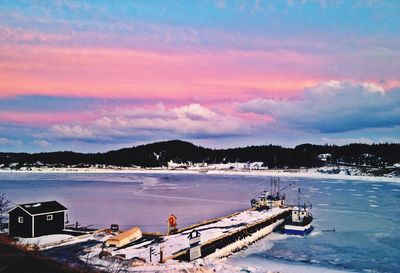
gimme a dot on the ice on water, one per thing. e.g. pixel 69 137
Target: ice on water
pixel 364 214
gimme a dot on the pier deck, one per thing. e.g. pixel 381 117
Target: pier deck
pixel 215 234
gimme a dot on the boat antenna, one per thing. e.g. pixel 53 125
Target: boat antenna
pixel 308 201
pixel 298 197
pixel 279 186
pixel 271 184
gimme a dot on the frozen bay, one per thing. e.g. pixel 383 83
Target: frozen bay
pixel 364 214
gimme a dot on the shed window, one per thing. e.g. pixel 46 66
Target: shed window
pixel 49 217
pixel 20 219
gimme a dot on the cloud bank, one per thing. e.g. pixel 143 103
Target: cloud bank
pixel 333 107
pixel 188 121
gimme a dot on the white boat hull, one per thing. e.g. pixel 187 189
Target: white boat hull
pixel 298 230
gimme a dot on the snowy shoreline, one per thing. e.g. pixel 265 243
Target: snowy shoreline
pixel 292 173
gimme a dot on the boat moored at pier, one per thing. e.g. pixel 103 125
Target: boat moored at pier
pixel 300 220
pixel 271 199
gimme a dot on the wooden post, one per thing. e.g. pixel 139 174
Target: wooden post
pixel 151 251
pixel 161 254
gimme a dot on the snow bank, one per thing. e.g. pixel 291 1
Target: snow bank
pixel 45 240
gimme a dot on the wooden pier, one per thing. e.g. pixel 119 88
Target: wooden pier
pixel 217 237
pixel 214 238
pixel 235 236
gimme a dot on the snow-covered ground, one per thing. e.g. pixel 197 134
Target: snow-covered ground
pixel 57 240
pixel 170 245
pixel 46 240
pixel 207 265
pixel 174 243
pixel 332 172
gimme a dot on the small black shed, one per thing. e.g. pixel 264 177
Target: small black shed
pixel 36 219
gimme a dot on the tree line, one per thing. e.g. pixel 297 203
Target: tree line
pixel 159 153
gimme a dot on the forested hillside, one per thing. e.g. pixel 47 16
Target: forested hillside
pixel 159 153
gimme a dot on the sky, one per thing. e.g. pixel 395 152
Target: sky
pixel 92 76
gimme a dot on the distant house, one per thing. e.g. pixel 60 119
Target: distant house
pixel 36 219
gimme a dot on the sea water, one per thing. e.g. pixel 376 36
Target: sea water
pixel 364 215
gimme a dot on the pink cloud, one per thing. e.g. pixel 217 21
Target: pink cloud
pixel 42 143
pixel 212 77
pixel 187 120
pixel 129 73
pixel 42 119
pixel 70 131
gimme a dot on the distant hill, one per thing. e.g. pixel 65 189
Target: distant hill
pixel 159 153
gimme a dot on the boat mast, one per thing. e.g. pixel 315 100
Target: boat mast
pixel 298 197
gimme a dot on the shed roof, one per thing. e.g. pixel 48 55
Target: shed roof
pixel 42 207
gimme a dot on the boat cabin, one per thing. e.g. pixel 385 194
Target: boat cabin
pixel 299 213
pixel 267 200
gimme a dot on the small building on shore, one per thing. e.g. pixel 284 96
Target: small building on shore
pixel 36 219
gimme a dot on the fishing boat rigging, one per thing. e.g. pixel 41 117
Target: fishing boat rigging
pixel 299 223
pixel 273 198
